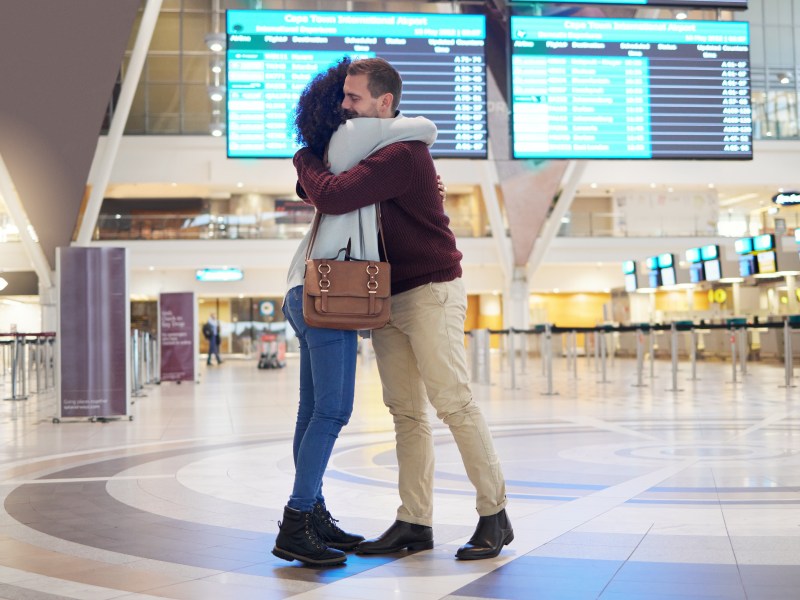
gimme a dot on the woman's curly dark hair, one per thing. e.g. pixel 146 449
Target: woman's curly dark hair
pixel 319 110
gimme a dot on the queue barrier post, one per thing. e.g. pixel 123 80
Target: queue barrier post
pixel 547 356
pixel 639 358
pixel 512 355
pixel 480 356
pixel 788 353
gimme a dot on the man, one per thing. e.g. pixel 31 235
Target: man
pixel 420 353
pixel 211 333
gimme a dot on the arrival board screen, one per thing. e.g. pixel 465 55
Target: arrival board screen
pixel 683 3
pixel 272 55
pixel 630 88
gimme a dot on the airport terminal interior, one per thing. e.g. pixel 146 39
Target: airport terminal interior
pixel 621 179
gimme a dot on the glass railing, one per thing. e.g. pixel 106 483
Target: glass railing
pixel 601 224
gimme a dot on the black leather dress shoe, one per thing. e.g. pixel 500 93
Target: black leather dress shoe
pixel 491 534
pixel 399 536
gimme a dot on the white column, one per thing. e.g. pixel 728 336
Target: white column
pixel 109 153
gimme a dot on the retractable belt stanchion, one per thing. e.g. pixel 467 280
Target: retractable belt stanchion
pixel 18 370
pixel 512 358
pixel 596 336
pixel 603 354
pixel 651 343
pixel 547 355
pixel 733 354
pixel 743 350
pixel 480 356
pixel 788 356
pixel 639 359
pixel 674 351
pixel 574 345
pixel 693 352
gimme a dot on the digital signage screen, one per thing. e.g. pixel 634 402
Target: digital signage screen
pixel 668 276
pixel 630 282
pixel 763 242
pixel 683 3
pixel 630 88
pixel 696 273
pixel 693 255
pixel 747 265
pixel 709 252
pixel 272 55
pixel 713 270
pixel 767 262
pixel 743 245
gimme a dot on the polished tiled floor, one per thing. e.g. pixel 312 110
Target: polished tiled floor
pixel 616 491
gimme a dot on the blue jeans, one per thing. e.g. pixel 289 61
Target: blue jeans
pixel 327 385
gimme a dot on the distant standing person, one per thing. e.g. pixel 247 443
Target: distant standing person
pixel 211 333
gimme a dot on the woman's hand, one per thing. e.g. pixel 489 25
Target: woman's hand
pixel 442 188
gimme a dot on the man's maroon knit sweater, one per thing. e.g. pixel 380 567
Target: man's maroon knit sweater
pixel 402 177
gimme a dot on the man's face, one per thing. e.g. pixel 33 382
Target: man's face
pixel 358 102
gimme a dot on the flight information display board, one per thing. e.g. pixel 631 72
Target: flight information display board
pixel 272 55
pixel 630 88
pixel 682 3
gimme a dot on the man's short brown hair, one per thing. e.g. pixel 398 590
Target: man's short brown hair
pixel 382 78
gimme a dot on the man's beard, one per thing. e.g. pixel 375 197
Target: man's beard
pixel 349 114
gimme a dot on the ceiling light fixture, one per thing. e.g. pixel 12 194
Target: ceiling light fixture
pixel 215 41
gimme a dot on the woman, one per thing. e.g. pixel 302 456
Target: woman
pixel 308 532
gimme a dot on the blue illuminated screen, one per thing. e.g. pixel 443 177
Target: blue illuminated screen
pixel 664 260
pixel 763 242
pixel 709 252
pixel 272 55
pixel 693 255
pixel 747 265
pixel 713 270
pixel 652 263
pixel 628 266
pixel 618 88
pixel 696 274
pixel 685 3
pixel 743 245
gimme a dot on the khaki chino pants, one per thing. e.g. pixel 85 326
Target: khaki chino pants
pixel 421 358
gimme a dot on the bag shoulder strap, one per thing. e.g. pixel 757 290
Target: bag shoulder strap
pixel 315 229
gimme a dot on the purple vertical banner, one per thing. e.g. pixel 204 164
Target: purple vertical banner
pixel 176 332
pixel 93 332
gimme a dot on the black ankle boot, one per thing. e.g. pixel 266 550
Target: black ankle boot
pixel 491 534
pixel 400 536
pixel 298 540
pixel 330 533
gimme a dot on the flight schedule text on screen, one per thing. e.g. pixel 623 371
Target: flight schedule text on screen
pixel 272 56
pixel 630 88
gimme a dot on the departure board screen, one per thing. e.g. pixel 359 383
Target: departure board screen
pixel 272 55
pixel 630 89
pixel 683 3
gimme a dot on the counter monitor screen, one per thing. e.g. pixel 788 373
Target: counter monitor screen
pixel 693 255
pixel 713 270
pixel 272 55
pixel 696 274
pixel 630 88
pixel 654 279
pixel 763 242
pixel 767 262
pixel 747 265
pixel 743 245
pixel 668 276
pixel 709 252
pixel 630 282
